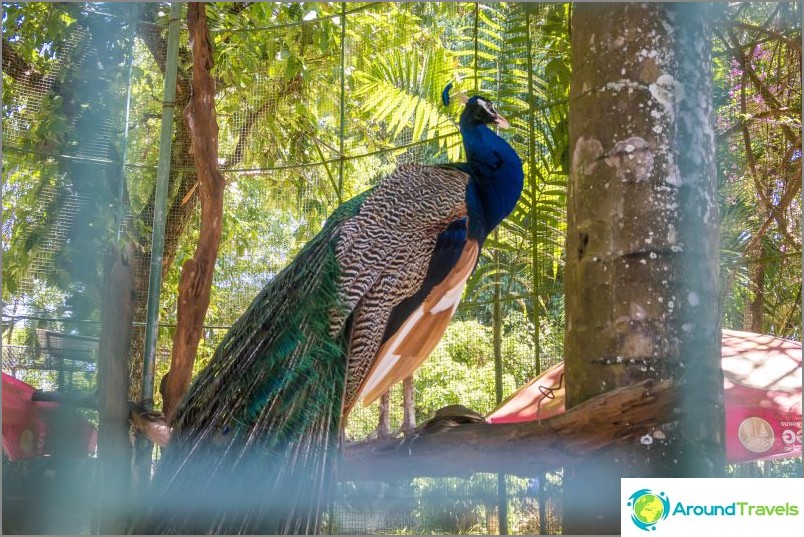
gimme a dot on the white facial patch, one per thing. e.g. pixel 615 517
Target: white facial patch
pixel 487 107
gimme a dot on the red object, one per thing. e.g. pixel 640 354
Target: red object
pixel 762 393
pixel 28 425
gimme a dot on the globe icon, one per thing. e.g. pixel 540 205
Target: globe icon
pixel 648 509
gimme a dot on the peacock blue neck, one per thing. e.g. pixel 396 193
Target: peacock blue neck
pixel 497 177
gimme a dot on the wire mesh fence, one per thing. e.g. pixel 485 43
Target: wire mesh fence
pixel 447 505
pixel 103 82
pixel 310 113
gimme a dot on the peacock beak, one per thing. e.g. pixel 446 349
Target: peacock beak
pixel 501 122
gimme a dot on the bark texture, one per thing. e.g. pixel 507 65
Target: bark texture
pixel 642 242
pixel 526 449
pixel 195 282
pixel 114 443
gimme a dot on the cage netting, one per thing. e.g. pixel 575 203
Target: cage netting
pixel 315 103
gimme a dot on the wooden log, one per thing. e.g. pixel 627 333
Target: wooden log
pixel 524 449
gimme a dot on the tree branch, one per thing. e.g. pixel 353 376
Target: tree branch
pixel 195 282
pixel 765 203
pixel 290 87
pixel 447 446
pixel 523 449
pixel 150 424
pixel 238 7
pixel 19 69
pixel 787 198
pixel 792 43
pixel 776 212
pixel 760 86
pixel 765 114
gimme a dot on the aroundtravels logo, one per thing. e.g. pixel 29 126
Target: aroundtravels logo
pixel 648 508
pixel 700 506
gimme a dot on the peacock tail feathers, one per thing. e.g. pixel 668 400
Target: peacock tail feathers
pixel 258 429
pixel 256 434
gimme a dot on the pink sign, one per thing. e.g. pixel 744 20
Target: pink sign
pixel 762 395
pixel 27 423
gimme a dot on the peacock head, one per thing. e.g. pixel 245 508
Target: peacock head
pixel 480 110
pixel 477 110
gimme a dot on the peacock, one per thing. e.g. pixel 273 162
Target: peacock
pixel 256 437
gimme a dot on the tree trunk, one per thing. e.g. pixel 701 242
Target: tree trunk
pixel 641 278
pixel 408 406
pixel 178 217
pixel 195 282
pixel 114 444
pixel 384 425
pixel 755 306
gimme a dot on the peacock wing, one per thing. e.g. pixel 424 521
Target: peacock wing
pixel 405 348
pixel 404 242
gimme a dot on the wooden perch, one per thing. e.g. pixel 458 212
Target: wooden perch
pixel 524 449
pixel 150 424
pixel 459 447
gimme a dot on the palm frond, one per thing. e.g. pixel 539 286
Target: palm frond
pixel 403 91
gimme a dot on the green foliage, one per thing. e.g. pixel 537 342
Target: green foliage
pixel 459 371
pixel 62 215
pixel 757 89
pixel 278 73
pixel 403 90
